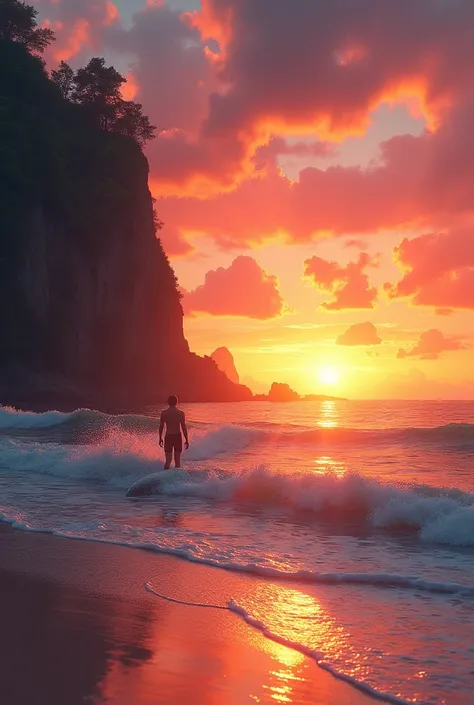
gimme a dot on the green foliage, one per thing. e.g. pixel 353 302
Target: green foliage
pixel 18 24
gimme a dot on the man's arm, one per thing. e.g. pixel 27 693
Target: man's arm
pixel 162 425
pixel 185 430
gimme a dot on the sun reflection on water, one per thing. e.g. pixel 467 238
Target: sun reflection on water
pixel 325 465
pixel 329 414
pixel 301 619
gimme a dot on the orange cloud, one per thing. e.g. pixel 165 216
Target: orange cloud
pixel 356 243
pixel 439 270
pixel 243 289
pixel 348 285
pixel 381 53
pixel 430 346
pixel 70 44
pixel 174 75
pixel 360 334
pixel 267 156
pixel 322 68
pixel 130 88
pixel 79 25
pixel 229 103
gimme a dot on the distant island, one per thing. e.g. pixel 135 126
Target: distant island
pixel 279 392
pixel 283 393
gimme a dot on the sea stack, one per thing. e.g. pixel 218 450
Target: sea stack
pixel 225 362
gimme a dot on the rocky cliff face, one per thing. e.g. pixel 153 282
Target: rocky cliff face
pixel 89 307
pixel 225 362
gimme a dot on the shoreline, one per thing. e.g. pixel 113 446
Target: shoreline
pixel 80 626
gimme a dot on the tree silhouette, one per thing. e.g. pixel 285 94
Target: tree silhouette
pixel 18 24
pixel 132 122
pixel 65 78
pixel 97 88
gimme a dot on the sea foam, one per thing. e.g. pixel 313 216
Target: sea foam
pixel 437 515
pixel 454 435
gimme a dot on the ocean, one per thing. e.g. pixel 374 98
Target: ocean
pixel 358 516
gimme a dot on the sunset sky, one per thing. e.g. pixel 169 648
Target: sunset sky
pixel 314 169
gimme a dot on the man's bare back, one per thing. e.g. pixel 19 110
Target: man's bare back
pixel 173 417
pixel 174 420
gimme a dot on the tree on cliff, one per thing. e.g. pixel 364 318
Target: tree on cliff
pixel 97 88
pixel 64 78
pixel 82 273
pixel 18 24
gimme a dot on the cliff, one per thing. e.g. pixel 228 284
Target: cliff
pixel 225 362
pixel 89 307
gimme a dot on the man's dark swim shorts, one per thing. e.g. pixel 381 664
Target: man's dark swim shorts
pixel 173 441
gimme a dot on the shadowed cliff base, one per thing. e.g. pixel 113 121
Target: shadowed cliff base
pixel 89 306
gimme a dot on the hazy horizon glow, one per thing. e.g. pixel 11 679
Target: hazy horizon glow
pixel 314 170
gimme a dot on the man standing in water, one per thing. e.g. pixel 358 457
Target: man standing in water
pixel 175 421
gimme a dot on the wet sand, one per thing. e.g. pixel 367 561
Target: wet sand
pixel 79 627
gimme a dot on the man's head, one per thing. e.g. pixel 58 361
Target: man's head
pixel 172 400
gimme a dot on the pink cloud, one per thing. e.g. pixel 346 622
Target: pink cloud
pixel 267 67
pixel 243 289
pixel 431 344
pixel 360 334
pixel 79 26
pixel 439 270
pixel 349 285
pixel 270 53
pixel 267 156
pixel 171 68
pixel 319 71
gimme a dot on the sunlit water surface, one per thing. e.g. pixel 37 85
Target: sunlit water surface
pixel 367 507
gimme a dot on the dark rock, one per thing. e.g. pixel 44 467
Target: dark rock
pixel 90 310
pixel 225 362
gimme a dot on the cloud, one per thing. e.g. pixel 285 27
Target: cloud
pixel 267 156
pixel 348 285
pixel 363 55
pixel 360 334
pixel 356 243
pixel 439 270
pixel 227 114
pixel 170 67
pixel 243 289
pixel 430 346
pixel 381 52
pixel 79 26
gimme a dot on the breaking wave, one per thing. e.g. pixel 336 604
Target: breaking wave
pixel 437 515
pixel 93 424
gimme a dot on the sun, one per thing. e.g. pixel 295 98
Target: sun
pixel 329 375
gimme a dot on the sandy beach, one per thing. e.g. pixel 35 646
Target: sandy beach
pixel 79 627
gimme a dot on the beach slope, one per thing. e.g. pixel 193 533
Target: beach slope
pixel 78 626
